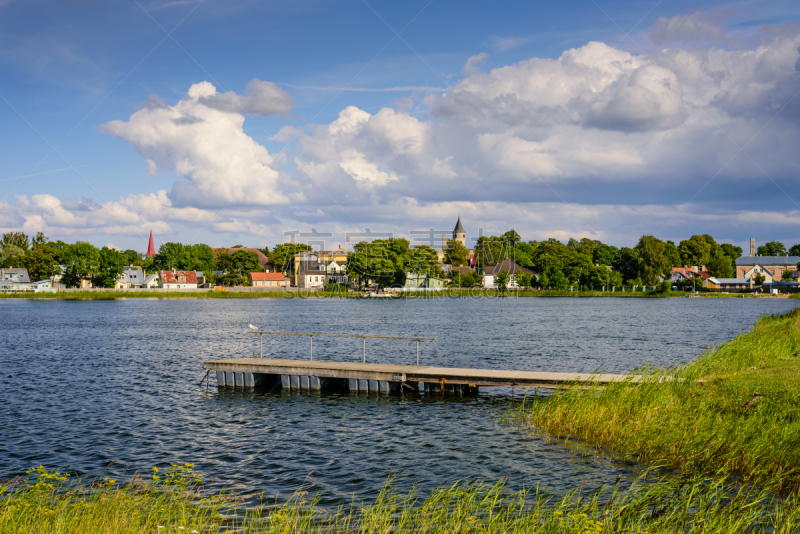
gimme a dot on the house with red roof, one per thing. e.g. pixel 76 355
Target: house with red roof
pixel 178 280
pixel 268 280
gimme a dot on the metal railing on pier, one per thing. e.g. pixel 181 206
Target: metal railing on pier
pixel 311 339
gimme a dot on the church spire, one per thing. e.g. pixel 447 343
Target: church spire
pixel 459 229
pixel 151 250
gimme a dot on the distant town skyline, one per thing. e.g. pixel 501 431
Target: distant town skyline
pixel 234 123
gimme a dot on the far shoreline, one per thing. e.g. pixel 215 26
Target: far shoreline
pixel 448 293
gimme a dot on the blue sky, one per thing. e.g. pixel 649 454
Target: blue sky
pixel 588 119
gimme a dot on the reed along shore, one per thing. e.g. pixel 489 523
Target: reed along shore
pixel 732 411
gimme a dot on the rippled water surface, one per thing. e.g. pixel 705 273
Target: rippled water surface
pixel 83 383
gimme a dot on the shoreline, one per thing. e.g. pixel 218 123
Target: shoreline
pixel 449 293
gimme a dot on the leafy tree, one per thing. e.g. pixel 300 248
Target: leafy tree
pixel 605 254
pixel 671 251
pixel 40 239
pixel 787 275
pixel 18 239
pixel 627 263
pixel 697 250
pixel 585 246
pixel 524 253
pixel 171 257
pixel 614 279
pixel 111 266
pixel 559 281
pixel 720 265
pixel 653 262
pixel 200 257
pixel 422 259
pixel 666 286
pixel 210 277
pixel 11 255
pixel 732 251
pixel 465 280
pixel 795 250
pixel 282 256
pixel 490 250
pixel 58 249
pixel 82 261
pixel 41 261
pixel 525 280
pixel 512 238
pixel 456 254
pixel 543 281
pixel 579 268
pixel 371 261
pixel 772 248
pixel 758 279
pixel 134 258
pixel 399 248
pixel 596 277
pixel 501 280
pixel 240 262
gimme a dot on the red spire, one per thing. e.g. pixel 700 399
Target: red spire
pixel 151 250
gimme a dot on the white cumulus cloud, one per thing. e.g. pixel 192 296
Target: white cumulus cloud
pixel 216 161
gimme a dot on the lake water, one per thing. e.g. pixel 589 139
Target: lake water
pixel 84 383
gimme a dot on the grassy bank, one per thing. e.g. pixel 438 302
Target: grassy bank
pixel 735 410
pixel 463 293
pixel 48 503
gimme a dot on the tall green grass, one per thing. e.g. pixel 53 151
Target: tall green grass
pixel 733 411
pixel 47 503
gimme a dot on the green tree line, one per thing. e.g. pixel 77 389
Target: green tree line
pixel 585 262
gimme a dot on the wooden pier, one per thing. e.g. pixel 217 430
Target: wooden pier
pixel 363 377
pixel 387 378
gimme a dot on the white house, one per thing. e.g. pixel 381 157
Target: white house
pixel 131 277
pixel 14 280
pixel 44 286
pixel 758 269
pixel 311 274
pixel 490 274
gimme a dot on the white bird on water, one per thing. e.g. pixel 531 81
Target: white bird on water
pixel 253 327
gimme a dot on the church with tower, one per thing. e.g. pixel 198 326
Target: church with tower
pixel 458 235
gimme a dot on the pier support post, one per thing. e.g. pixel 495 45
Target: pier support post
pixel 238 379
pixel 229 381
pixel 316 384
pixel 285 382
pixel 363 386
pixel 383 387
pixel 373 386
pixel 352 384
pixel 249 380
pixel 220 379
pixel 294 380
pixel 304 382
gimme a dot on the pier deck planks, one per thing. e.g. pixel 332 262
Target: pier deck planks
pixel 413 373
